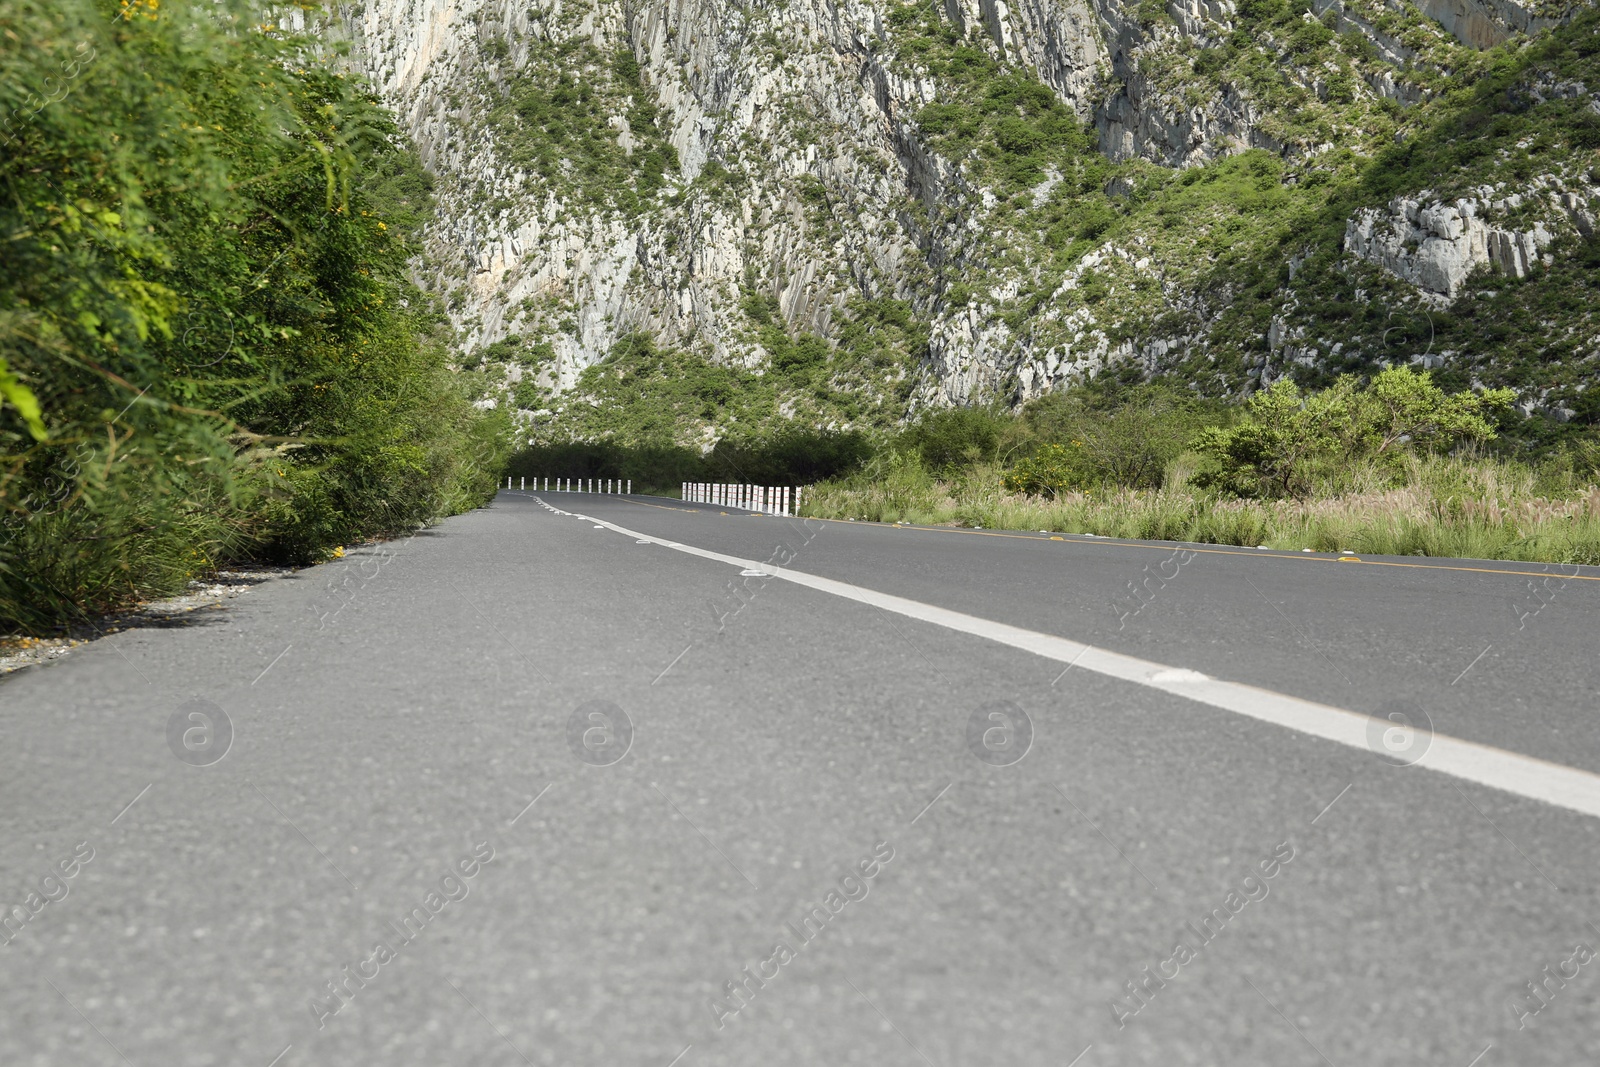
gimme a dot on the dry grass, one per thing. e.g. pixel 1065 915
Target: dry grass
pixel 1471 508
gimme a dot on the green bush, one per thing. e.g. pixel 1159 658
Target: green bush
pixel 1288 442
pixel 1051 470
pixel 1118 435
pixel 231 364
pixel 955 437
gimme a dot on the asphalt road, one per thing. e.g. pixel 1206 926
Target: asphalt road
pixel 531 791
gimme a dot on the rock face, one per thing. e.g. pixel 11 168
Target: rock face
pixel 1485 23
pixel 790 171
pixel 1436 246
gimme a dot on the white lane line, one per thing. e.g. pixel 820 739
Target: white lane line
pixel 1511 772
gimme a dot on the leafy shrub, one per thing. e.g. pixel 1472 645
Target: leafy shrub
pixel 1119 435
pixel 1287 440
pixel 955 437
pixel 231 364
pixel 1051 469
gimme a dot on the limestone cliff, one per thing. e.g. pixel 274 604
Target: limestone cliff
pixel 867 207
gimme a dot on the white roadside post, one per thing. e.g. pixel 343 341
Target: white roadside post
pixel 524 483
pixel 630 488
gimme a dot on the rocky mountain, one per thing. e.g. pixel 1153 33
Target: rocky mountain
pixel 842 212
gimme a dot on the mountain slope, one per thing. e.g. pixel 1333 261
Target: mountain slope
pixel 842 213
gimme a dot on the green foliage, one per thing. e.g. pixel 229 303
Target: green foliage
pixel 229 363
pixel 1288 441
pixel 787 454
pixel 955 437
pixel 554 119
pixel 1050 470
pixel 641 394
pixel 1007 124
pixel 1113 435
pixel 1437 506
pixel 21 398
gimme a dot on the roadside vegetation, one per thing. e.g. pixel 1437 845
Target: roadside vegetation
pixel 209 350
pixel 1392 465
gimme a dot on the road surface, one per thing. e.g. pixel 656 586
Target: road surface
pixel 555 782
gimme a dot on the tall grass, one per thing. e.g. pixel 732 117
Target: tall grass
pixel 1470 507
